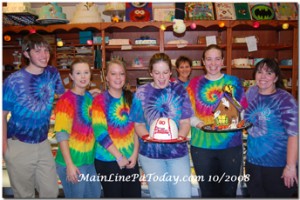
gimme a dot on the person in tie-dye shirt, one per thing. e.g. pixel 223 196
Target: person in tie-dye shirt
pixel 184 69
pixel 74 133
pixel 214 153
pixel 162 162
pixel 272 143
pixel 28 96
pixel 116 142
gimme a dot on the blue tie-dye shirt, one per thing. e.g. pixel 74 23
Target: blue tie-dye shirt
pixel 274 118
pixel 29 98
pixel 149 104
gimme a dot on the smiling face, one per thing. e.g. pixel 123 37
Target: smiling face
pixel 184 70
pixel 39 57
pixel 213 62
pixel 116 76
pixel 266 80
pixel 81 75
pixel 161 74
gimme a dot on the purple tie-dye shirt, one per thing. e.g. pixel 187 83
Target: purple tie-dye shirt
pixel 149 104
pixel 274 118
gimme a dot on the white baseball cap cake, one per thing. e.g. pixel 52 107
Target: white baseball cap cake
pixel 164 129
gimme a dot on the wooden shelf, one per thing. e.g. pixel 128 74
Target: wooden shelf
pixel 264 46
pixel 273 41
pixel 132 47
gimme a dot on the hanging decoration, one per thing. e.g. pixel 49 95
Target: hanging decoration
pixel 179 25
pixel 59 42
pixel 193 25
pixel 221 24
pixel 31 31
pixel 89 42
pixel 163 27
pixel 255 24
pixel 7 38
pixel 285 26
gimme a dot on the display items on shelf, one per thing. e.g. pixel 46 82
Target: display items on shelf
pixel 261 11
pixel 272 40
pixel 285 11
pixel 199 11
pixel 242 11
pixel 225 11
pixel 138 12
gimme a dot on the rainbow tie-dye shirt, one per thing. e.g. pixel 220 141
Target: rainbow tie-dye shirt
pixel 204 95
pixel 73 117
pixel 110 119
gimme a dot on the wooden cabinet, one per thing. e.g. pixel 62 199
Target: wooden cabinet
pixel 273 42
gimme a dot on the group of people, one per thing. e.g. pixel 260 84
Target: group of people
pixel 100 132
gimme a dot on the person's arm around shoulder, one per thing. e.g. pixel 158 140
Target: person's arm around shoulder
pixel 94 92
pixel 4 131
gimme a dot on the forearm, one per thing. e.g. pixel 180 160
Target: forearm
pixel 114 151
pixel 140 129
pixel 196 122
pixel 292 151
pixel 65 150
pixel 4 131
pixel 136 145
pixel 184 127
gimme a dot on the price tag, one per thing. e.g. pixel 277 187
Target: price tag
pixel 251 43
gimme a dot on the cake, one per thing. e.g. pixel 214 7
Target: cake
pixel 227 112
pixel 51 11
pixel 145 41
pixel 18 8
pixel 163 129
pixel 115 10
pixel 114 6
pixel 86 13
pixel 118 42
pixel 241 63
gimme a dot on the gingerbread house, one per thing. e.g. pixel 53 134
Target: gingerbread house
pixel 227 112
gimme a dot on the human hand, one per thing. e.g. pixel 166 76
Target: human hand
pixel 72 173
pixel 289 176
pixel 132 162
pixel 200 124
pixel 122 162
pixel 95 91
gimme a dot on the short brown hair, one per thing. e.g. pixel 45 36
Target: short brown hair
pixel 158 57
pixel 34 40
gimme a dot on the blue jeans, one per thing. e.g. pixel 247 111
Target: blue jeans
pixel 167 178
pixel 88 185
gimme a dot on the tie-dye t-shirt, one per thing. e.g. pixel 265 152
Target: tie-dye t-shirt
pixel 205 95
pixel 110 119
pixel 274 118
pixel 177 80
pixel 30 98
pixel 73 117
pixel 149 104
